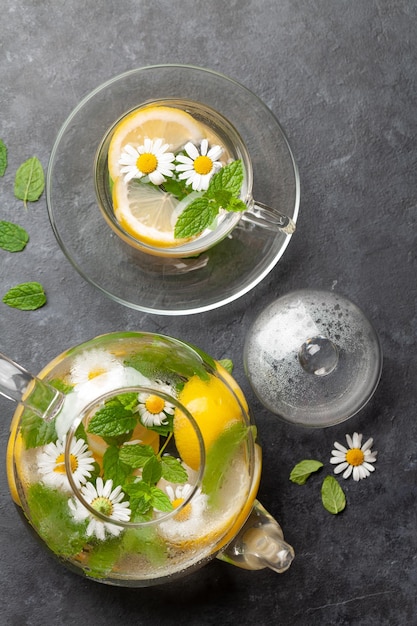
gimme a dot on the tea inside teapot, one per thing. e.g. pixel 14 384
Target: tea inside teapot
pixel 149 468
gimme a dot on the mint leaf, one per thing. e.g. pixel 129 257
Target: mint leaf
pixel 102 558
pixel 37 431
pixel 152 471
pixel 159 360
pixel 236 205
pixel 229 178
pixel 160 500
pixel 136 455
pixel 220 454
pixel 223 197
pixel 3 157
pixel 140 495
pixel 147 542
pixel 29 181
pixel 51 517
pixel 302 471
pixel 26 296
pixel 112 420
pixel 195 218
pixel 172 470
pixel 61 385
pixel 177 187
pixel 332 495
pixel 13 238
pixel 227 364
pixel 114 467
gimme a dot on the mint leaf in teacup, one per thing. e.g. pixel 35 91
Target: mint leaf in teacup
pixel 222 193
pixel 195 218
pixel 229 178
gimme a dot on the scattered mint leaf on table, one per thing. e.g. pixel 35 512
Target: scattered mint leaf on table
pixel 332 495
pixel 26 296
pixel 13 238
pixel 227 364
pixel 29 181
pixel 3 157
pixel 303 470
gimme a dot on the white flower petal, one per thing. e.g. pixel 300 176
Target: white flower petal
pixel 339 446
pixel 348 471
pixel 191 150
pixel 340 468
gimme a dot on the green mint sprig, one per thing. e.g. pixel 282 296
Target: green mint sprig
pixel 303 470
pixel 115 422
pixel 222 193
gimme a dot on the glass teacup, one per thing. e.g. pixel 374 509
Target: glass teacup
pixel 204 124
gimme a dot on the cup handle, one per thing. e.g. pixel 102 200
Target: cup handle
pixel 266 217
pixel 259 544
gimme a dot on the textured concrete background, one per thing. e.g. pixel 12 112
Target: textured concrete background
pixel 341 77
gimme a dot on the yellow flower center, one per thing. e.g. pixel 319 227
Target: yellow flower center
pixel 185 513
pixel 355 456
pixel 102 505
pixel 96 372
pixel 60 463
pixel 147 163
pixel 203 165
pixel 154 404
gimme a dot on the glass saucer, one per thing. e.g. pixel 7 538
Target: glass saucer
pixel 313 358
pixel 141 281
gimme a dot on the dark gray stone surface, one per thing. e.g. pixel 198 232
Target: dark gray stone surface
pixel 342 79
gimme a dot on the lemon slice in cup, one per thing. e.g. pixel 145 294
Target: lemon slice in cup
pixel 171 124
pixel 148 213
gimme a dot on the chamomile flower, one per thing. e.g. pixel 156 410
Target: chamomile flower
pixel 355 460
pixel 93 363
pixel 189 521
pixel 198 166
pixel 51 464
pixel 106 500
pixel 153 409
pixel 151 160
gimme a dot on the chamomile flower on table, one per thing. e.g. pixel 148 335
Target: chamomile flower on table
pixel 51 464
pixel 197 166
pixel 106 500
pixel 153 409
pixel 151 160
pixel 356 460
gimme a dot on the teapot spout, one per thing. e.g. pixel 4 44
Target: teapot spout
pixel 259 544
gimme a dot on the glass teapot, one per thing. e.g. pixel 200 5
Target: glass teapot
pixel 134 459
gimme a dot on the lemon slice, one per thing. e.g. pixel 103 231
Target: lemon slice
pixel 173 125
pixel 148 213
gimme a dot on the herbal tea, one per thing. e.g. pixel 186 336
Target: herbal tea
pixel 150 467
pixel 174 171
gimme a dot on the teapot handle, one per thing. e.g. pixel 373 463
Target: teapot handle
pixel 259 544
pixel 20 386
